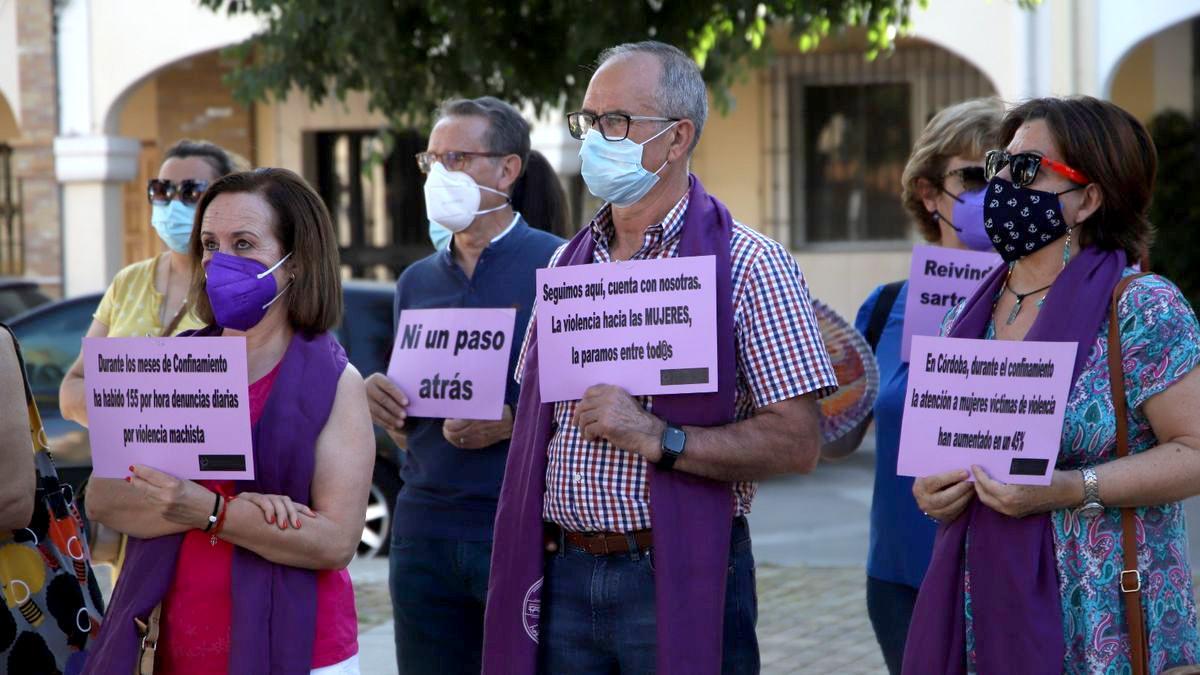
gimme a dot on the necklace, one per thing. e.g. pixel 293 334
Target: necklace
pixel 162 309
pixel 1012 316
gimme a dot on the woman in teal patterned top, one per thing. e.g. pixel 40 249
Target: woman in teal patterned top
pixel 1160 349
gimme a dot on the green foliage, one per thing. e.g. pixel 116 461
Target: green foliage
pixel 1175 210
pixel 409 55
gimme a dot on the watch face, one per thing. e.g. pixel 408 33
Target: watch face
pixel 674 439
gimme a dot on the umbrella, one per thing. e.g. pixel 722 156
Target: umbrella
pixel 856 371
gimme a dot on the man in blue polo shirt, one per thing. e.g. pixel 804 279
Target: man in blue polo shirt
pixel 476 160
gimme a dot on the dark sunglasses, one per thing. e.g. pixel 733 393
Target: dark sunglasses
pixel 189 192
pixel 971 177
pixel 1024 167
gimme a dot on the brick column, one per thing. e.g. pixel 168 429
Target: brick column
pixel 33 153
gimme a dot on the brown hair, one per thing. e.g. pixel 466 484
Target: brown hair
pixel 967 129
pixel 1114 150
pixel 303 226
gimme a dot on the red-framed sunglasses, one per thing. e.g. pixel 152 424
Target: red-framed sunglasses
pixel 1024 167
pixel 187 191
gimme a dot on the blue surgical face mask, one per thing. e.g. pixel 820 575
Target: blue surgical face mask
pixel 440 236
pixel 613 170
pixel 173 223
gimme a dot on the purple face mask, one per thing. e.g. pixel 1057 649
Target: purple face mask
pixel 240 289
pixel 968 220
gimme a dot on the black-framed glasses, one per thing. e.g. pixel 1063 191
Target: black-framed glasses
pixel 973 178
pixel 613 126
pixel 1024 167
pixel 454 160
pixel 189 192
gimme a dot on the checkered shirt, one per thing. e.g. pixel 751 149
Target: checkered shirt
pixel 595 487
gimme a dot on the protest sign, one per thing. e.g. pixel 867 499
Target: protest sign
pixel 453 363
pixel 995 403
pixel 648 326
pixel 939 279
pixel 176 405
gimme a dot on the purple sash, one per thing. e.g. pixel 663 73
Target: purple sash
pixel 1016 608
pixel 274 606
pixel 692 516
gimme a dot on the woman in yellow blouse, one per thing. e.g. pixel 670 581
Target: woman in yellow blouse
pixel 149 298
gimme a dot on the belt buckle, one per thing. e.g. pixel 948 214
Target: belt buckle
pixel 1137 577
pixel 603 539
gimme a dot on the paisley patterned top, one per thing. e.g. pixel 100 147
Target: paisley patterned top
pixel 1160 344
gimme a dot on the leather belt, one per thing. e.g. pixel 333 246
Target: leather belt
pixel 602 543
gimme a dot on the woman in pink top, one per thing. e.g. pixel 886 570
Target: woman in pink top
pixel 263 588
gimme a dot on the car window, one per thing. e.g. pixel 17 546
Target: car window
pixel 51 340
pixel 366 331
pixel 19 299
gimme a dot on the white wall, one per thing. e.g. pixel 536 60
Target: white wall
pixel 1124 23
pixel 131 39
pixel 986 34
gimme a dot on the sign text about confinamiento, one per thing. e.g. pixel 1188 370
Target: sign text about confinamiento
pixel 179 405
pixel 998 404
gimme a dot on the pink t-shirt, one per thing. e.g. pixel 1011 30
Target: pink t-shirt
pixel 198 608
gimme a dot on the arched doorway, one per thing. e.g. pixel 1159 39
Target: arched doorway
pixel 12 259
pixel 1160 73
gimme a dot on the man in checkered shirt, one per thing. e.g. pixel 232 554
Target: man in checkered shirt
pixel 598 610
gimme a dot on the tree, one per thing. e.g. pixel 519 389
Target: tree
pixel 409 55
pixel 1174 209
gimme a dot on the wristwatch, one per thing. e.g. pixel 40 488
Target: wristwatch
pixel 674 440
pixel 1092 506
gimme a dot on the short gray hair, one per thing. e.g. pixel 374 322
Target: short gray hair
pixel 508 131
pixel 681 91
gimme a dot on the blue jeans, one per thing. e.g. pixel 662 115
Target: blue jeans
pixel 890 606
pixel 598 612
pixel 439 587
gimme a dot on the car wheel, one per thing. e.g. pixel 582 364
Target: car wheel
pixel 377 527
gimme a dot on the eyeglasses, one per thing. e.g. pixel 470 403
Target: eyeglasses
pixel 189 192
pixel 971 177
pixel 1024 167
pixel 453 160
pixel 613 126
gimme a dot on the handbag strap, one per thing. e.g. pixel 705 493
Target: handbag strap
pixel 1131 577
pixel 36 430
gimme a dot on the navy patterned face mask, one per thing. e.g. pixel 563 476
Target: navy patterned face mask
pixel 1020 221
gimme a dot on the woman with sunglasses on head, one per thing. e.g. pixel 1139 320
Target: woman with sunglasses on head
pixel 149 298
pixel 1066 577
pixel 942 190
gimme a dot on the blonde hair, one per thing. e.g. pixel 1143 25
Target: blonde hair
pixel 967 129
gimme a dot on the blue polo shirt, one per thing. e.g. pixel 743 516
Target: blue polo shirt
pixel 450 493
pixel 901 536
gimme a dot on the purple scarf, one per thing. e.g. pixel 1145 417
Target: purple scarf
pixel 1016 608
pixel 274 606
pixel 692 516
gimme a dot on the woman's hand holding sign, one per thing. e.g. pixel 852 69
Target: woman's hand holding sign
pixel 1018 501
pixel 943 496
pixel 184 502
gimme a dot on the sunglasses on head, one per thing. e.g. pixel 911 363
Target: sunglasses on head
pixel 1024 167
pixel 971 177
pixel 163 191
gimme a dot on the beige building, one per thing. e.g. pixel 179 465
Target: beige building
pixel 811 153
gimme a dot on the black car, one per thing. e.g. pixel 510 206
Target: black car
pixel 51 337
pixel 18 295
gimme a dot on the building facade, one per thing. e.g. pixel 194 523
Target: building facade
pixel 92 92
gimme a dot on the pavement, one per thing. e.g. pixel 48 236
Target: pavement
pixel 810 547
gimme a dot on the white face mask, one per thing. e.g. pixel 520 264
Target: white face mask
pixel 452 198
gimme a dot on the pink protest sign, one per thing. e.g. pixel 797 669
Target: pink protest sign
pixel 648 326
pixel 453 363
pixel 995 403
pixel 937 281
pixel 177 405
